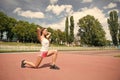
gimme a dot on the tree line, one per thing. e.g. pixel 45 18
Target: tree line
pixel 91 31
pixel 24 31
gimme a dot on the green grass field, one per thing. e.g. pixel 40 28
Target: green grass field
pixel 29 47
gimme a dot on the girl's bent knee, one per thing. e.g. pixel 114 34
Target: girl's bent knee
pixel 56 52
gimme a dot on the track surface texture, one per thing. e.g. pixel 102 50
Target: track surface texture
pixel 74 65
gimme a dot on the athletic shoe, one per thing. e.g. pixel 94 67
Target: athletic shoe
pixel 54 67
pixel 22 64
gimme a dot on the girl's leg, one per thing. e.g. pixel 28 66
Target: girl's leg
pixel 54 54
pixel 36 65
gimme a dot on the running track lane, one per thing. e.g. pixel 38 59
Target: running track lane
pixel 73 67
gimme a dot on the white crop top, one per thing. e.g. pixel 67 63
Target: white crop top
pixel 45 44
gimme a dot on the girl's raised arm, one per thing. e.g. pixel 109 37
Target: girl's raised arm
pixel 39 34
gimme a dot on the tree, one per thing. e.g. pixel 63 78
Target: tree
pixel 54 35
pixel 11 24
pixel 57 36
pixel 31 35
pixel 119 34
pixel 113 26
pixel 91 31
pixel 67 30
pixel 6 25
pixel 25 32
pixel 3 23
pixel 61 36
pixel 71 29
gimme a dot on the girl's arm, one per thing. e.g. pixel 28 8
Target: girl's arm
pixel 39 34
pixel 48 35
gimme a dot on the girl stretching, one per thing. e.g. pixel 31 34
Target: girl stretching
pixel 43 36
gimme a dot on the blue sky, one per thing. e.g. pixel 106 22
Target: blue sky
pixel 52 13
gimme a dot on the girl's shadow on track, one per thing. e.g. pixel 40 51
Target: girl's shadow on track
pixel 45 65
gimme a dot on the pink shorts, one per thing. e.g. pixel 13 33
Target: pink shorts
pixel 43 54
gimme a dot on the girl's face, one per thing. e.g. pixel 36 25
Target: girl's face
pixel 45 32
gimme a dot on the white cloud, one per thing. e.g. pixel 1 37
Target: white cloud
pixel 17 10
pixel 28 13
pixel 57 10
pixel 111 5
pixel 97 13
pixel 53 1
pixel 59 25
pixel 86 1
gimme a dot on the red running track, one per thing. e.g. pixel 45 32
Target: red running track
pixel 72 67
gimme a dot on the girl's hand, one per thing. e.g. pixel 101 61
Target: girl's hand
pixel 48 35
pixel 38 28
